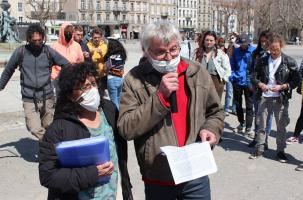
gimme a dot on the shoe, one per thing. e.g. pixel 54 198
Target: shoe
pixel 300 167
pixel 240 129
pixel 256 155
pixel 292 140
pixel 250 133
pixel 282 157
pixel 252 144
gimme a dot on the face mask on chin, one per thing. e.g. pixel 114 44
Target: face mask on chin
pixel 165 66
pixel 90 100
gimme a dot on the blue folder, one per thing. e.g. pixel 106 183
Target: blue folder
pixel 84 152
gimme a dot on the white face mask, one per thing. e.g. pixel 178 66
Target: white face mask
pixel 165 66
pixel 91 99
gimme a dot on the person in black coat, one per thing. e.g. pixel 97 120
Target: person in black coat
pixel 79 113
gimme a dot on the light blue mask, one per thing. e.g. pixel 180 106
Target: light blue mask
pixel 165 66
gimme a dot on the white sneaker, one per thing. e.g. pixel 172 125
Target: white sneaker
pixel 300 167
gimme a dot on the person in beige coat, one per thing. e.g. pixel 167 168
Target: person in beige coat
pixel 148 113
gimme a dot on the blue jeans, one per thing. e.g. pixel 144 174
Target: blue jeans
pixel 228 96
pixel 114 86
pixel 198 189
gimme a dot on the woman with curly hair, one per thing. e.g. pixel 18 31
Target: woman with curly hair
pixel 81 114
pixel 115 60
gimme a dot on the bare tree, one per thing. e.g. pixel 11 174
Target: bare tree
pixel 264 13
pixel 43 10
pixel 281 16
pixel 297 14
pixel 226 9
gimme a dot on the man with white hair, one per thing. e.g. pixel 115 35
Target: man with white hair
pixel 167 100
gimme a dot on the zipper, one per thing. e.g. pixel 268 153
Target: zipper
pixel 36 77
pixel 189 100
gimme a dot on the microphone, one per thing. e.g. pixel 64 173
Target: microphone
pixel 173 102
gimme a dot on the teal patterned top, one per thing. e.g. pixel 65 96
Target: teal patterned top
pixel 104 191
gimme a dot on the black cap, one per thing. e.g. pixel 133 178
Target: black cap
pixel 244 39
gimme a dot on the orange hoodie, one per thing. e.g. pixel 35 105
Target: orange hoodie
pixel 72 50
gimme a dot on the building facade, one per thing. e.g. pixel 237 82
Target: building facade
pixel 110 15
pixel 138 17
pixel 204 15
pixel 163 10
pixel 188 16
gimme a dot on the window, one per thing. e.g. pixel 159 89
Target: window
pixel 123 17
pixel 124 6
pixel 132 7
pixel 83 17
pixel 91 17
pixel 107 17
pixel 138 7
pixel 20 7
pixel 138 19
pixel 82 6
pixel 116 5
pixel 107 5
pixel 116 17
pixel 20 19
pixel 90 4
pixel 98 17
pixel 98 5
pixel 144 19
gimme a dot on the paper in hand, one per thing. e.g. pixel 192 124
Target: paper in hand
pixel 190 162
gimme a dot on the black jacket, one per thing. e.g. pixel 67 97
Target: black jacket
pixel 287 72
pixel 65 183
pixel 301 77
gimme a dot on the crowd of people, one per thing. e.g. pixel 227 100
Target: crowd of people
pixel 168 99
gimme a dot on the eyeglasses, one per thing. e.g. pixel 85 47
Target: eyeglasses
pixel 87 87
pixel 162 53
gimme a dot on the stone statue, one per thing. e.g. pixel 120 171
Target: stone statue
pixel 8 29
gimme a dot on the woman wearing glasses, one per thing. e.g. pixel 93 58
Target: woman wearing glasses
pixel 215 60
pixel 81 114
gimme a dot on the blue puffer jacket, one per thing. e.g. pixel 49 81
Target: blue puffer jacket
pixel 239 62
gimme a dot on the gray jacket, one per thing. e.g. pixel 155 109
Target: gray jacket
pixel 35 72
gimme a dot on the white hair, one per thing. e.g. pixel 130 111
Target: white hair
pixel 162 30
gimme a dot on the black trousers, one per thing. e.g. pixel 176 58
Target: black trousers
pixel 299 124
pixel 248 94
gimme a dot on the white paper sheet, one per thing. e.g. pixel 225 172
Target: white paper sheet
pixel 190 162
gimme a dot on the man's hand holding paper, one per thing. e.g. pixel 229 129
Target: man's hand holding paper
pixel 208 136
